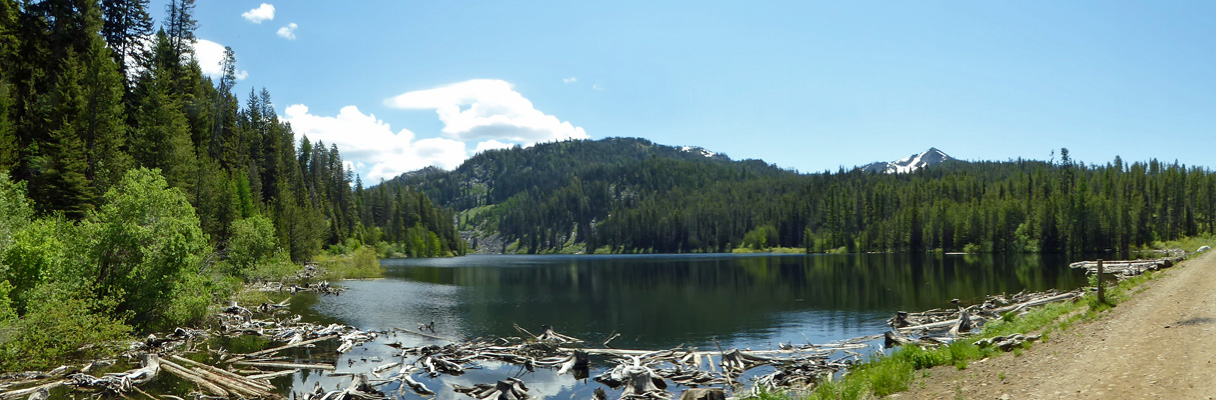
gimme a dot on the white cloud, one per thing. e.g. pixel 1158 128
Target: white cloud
pixel 288 32
pixel 210 55
pixel 264 12
pixel 364 139
pixel 487 109
pixel 597 87
pixel 569 80
pixel 491 145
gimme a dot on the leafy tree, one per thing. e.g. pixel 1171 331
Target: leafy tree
pixel 148 249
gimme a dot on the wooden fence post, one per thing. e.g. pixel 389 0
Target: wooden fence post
pixel 1101 291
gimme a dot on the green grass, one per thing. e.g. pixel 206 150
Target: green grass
pixel 359 264
pixel 887 374
pixel 772 250
pixel 1189 244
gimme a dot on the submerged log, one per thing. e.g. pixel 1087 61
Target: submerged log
pixel 120 382
pixel 281 348
pixel 286 365
pixel 509 389
pixel 183 373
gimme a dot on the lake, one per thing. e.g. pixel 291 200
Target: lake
pixel 661 301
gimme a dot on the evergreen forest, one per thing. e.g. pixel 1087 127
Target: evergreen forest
pixel 625 195
pixel 137 191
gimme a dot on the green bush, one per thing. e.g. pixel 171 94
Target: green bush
pixel 252 243
pixel 63 323
pixel 38 252
pixel 15 209
pixel 146 246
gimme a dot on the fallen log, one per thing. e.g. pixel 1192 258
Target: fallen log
pixel 286 365
pixel 120 382
pixel 32 391
pixel 183 373
pixel 1039 302
pixel 243 379
pixel 272 375
pixel 1008 342
pixel 281 348
pixel 229 380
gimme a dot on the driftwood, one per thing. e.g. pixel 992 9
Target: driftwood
pixel 359 389
pixel 1128 268
pixel 964 324
pixel 238 383
pixel 281 348
pixel 183 373
pixel 286 365
pixel 704 394
pixel 993 307
pixel 33 391
pixel 120 382
pixel 638 379
pixel 1008 342
pixel 509 389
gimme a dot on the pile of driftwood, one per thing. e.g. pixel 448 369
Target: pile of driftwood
pixel 937 327
pixel 302 281
pixel 1124 269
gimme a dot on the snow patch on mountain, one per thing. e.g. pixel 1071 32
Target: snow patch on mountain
pixel 930 157
pixel 698 150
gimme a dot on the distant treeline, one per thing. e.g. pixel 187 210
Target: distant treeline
pixel 630 195
pixel 89 90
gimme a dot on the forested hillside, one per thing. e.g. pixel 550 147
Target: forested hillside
pixel 136 192
pixel 630 195
pixel 90 90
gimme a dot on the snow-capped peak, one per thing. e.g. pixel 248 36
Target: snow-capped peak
pixel 933 156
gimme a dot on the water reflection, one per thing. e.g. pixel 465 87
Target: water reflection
pixel 666 300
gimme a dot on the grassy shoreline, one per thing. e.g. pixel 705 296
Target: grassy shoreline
pixel 892 373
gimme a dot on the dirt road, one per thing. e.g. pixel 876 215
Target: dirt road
pixel 1161 343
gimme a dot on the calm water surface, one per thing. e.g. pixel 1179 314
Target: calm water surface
pixel 657 301
pixel 661 301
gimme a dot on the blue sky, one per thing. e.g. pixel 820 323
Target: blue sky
pixel 805 85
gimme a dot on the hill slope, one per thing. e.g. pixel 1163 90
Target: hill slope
pixel 556 195
pixel 631 195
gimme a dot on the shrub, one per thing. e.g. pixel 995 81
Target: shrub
pixel 145 246
pixel 63 323
pixel 252 243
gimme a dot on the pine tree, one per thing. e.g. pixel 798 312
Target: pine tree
pixel 179 26
pixel 162 139
pixel 64 185
pixel 126 26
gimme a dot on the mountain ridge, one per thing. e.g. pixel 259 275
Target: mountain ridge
pixel 909 164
